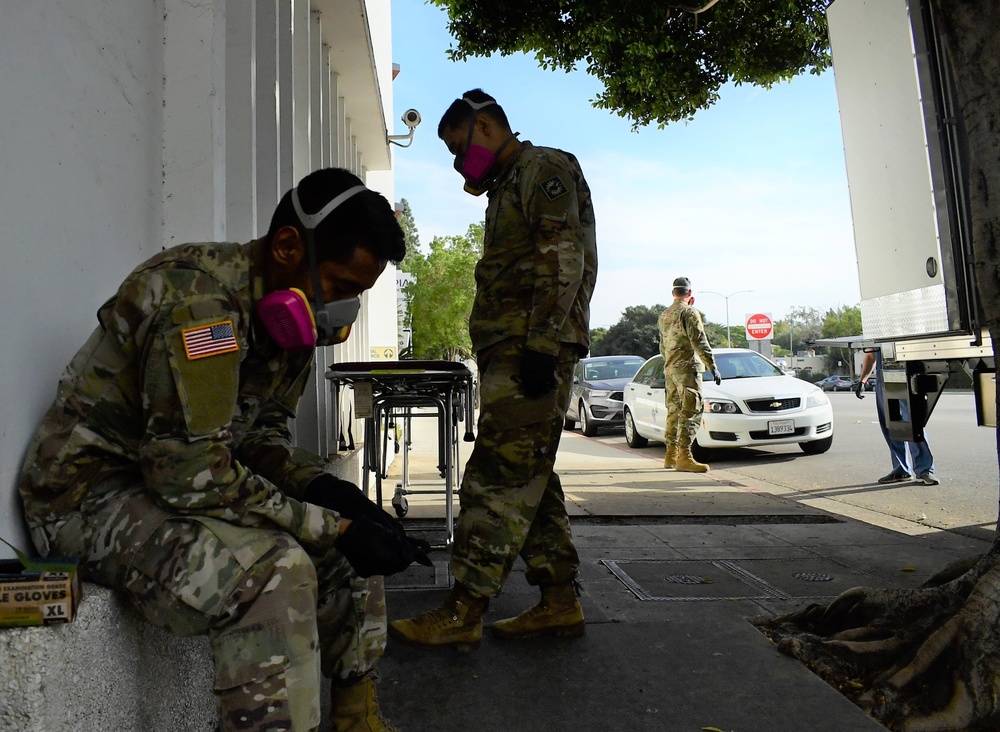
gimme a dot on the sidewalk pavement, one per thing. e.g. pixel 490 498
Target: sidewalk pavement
pixel 673 565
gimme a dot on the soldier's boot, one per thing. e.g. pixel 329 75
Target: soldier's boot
pixel 558 613
pixel 355 709
pixel 670 457
pixel 685 462
pixel 458 623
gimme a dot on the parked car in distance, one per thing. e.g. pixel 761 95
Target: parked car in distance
pixel 756 406
pixel 835 383
pixel 596 397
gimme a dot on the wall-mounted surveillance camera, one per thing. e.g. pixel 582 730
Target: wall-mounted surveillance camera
pixel 411 118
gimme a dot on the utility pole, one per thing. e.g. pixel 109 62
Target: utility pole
pixel 729 339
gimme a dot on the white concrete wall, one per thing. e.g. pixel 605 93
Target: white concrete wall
pixel 128 127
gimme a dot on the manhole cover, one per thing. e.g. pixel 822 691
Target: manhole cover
pixel 813 576
pixel 685 579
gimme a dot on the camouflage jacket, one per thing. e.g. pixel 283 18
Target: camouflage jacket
pixel 683 343
pixel 178 390
pixel 539 264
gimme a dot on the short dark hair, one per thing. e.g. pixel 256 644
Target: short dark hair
pixel 364 219
pixel 461 111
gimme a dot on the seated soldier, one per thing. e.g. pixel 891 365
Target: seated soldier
pixel 167 465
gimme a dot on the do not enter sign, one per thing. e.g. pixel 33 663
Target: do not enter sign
pixel 759 327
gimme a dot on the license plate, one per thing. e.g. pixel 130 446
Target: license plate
pixel 781 427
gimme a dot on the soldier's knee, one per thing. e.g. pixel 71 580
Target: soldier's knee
pixel 282 574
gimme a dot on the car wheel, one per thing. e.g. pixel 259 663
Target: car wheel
pixel 816 447
pixel 699 453
pixel 586 426
pixel 633 438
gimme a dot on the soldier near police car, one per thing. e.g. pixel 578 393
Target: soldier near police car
pixel 166 461
pixel 686 351
pixel 529 326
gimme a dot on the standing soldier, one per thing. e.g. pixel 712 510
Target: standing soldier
pixel 685 350
pixel 529 326
pixel 166 462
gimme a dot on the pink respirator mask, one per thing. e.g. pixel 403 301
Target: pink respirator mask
pixel 478 164
pixel 289 320
pixel 287 315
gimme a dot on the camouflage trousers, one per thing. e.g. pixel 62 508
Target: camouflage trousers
pixel 511 500
pixel 276 615
pixel 682 397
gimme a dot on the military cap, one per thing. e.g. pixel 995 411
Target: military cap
pixel 682 283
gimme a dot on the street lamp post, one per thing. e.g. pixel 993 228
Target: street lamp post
pixel 729 339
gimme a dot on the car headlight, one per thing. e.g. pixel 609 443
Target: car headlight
pixel 817 399
pixel 600 393
pixel 721 406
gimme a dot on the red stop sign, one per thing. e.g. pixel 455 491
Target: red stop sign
pixel 759 326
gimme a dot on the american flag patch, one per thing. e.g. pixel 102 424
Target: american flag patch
pixel 209 340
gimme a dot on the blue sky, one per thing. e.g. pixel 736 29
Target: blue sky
pixel 751 195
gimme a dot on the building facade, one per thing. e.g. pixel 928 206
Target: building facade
pixel 127 127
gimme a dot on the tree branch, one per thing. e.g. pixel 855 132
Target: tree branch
pixel 693 10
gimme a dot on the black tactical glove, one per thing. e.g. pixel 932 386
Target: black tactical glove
pixel 347 499
pixel 538 373
pixel 718 377
pixel 373 549
pixel 858 388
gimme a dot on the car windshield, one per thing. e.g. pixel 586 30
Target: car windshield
pixel 600 370
pixel 743 366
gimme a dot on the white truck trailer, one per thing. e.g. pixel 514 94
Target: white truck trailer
pixel 903 146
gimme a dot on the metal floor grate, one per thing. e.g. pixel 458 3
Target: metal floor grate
pixel 701 580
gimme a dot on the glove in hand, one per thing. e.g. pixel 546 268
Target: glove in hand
pixel 538 373
pixel 857 389
pixel 373 549
pixel 718 377
pixel 347 499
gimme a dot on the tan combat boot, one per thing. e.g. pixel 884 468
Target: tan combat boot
pixel 355 709
pixel 670 457
pixel 456 624
pixel 685 462
pixel 558 613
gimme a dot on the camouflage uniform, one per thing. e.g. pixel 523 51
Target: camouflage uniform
pixel 534 284
pixel 685 350
pixel 166 464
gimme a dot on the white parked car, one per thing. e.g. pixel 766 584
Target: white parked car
pixel 756 406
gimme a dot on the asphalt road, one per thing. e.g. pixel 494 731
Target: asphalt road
pixel 965 457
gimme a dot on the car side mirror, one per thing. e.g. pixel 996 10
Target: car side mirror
pixel 658 384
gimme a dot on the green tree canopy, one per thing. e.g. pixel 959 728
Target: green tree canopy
pixel 658 61
pixel 795 331
pixel 440 298
pixel 635 334
pixel 837 323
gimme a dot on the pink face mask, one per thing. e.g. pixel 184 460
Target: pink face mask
pixel 475 165
pixel 288 319
pixel 478 164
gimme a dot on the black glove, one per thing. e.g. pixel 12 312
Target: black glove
pixel 538 373
pixel 373 549
pixel 857 389
pixel 718 377
pixel 347 499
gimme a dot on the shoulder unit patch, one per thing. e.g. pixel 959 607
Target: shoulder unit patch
pixel 553 188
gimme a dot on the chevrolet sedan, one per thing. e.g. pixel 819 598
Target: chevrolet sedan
pixel 757 405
